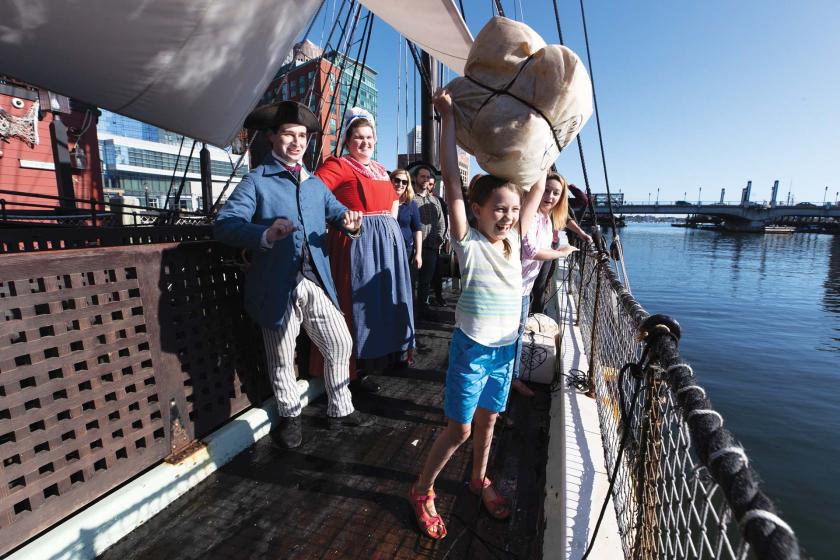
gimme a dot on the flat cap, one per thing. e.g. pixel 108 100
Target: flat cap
pixel 282 112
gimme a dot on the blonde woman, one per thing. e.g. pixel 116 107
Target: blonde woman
pixel 408 216
pixel 552 215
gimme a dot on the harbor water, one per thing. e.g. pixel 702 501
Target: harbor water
pixel 761 328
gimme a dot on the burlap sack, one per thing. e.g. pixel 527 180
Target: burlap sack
pixel 543 324
pixel 507 136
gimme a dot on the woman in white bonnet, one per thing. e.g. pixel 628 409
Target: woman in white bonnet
pixel 371 273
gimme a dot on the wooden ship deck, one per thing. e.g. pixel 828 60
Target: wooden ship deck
pixel 342 494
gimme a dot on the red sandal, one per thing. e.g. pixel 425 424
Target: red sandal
pixel 498 508
pixel 426 522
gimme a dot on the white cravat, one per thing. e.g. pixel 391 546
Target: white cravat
pixel 304 174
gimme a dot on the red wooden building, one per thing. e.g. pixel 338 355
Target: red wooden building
pixel 48 146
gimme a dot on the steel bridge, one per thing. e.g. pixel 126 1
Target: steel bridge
pixel 741 216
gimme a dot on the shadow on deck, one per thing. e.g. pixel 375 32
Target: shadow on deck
pixel 342 494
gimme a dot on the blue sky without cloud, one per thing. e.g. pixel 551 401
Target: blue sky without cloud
pixel 691 94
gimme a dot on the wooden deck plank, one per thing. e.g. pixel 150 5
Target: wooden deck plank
pixel 342 494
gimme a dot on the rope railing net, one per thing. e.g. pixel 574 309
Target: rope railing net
pixel 683 486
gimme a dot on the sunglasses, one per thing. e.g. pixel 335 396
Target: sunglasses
pixel 400 181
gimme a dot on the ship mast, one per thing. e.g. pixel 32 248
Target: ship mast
pixel 428 128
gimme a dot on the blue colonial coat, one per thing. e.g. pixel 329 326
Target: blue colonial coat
pixel 269 192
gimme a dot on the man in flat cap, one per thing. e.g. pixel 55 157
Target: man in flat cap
pixel 279 212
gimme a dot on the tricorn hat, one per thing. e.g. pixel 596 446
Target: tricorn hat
pixel 282 112
pixel 419 164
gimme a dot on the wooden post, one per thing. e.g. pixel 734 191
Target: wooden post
pixel 593 352
pixel 61 160
pixel 206 180
pixel 428 136
pixel 580 286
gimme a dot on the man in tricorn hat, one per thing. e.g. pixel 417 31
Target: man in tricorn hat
pixel 279 212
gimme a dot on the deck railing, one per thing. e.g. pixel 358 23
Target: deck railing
pixel 682 487
pixel 111 360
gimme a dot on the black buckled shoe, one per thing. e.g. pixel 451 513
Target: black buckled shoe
pixel 355 419
pixel 288 433
pixel 365 385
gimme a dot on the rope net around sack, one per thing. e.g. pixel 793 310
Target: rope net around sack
pixel 668 502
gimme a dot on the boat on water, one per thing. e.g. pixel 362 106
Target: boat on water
pixel 779 229
pixel 130 370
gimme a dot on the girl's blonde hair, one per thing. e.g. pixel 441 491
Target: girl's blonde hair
pixel 480 189
pixel 408 193
pixel 560 213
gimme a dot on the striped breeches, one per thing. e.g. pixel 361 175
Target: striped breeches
pixel 311 307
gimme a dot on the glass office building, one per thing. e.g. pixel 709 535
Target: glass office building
pixel 147 163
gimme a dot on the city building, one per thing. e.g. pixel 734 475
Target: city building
pixel 414 136
pixel 48 146
pixel 118 125
pixel 139 161
pixel 309 76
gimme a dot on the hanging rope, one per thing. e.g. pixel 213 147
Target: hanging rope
pixel 405 71
pixel 217 204
pixel 312 22
pixel 328 47
pixel 174 211
pixel 616 250
pixel 399 87
pixel 345 59
pixel 352 81
pixel 364 57
pixel 336 93
pixel 590 208
pixel 424 75
pixel 499 9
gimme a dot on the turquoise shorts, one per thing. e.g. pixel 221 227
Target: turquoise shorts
pixel 478 375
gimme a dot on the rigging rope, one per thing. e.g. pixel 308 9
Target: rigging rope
pixel 420 68
pixel 312 21
pixel 216 205
pixel 616 250
pixel 405 73
pixel 328 45
pixel 364 57
pixel 361 43
pixel 399 87
pixel 174 171
pixel 336 90
pixel 499 9
pixel 174 211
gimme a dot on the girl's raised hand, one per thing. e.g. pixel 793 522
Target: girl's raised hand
pixel 442 101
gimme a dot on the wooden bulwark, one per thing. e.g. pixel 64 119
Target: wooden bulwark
pixel 106 355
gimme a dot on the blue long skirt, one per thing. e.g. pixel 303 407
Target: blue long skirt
pixel 380 280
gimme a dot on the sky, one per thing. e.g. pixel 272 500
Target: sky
pixel 693 96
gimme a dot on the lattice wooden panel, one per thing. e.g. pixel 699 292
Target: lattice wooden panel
pixel 80 408
pixel 38 239
pixel 203 323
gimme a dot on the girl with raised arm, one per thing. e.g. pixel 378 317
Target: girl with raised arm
pixel 481 353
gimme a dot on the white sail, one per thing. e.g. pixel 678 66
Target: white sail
pixel 196 67
pixel 435 25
